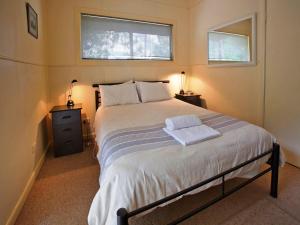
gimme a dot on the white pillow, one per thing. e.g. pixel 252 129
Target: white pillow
pixel 120 94
pixel 150 92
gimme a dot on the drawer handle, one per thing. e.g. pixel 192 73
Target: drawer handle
pixel 67 129
pixel 66 117
pixel 68 142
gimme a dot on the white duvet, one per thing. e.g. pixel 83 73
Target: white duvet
pixel 137 179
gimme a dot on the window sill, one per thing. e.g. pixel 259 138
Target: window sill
pixel 122 62
pixel 232 64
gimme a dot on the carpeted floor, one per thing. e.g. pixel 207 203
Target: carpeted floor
pixel 66 186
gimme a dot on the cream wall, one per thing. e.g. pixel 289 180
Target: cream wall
pixel 36 72
pixel 23 85
pixel 32 70
pixel 266 94
pixel 282 116
pixel 63 51
pixel 237 91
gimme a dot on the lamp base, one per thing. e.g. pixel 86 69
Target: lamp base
pixel 181 92
pixel 70 103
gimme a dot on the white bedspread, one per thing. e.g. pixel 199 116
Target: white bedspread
pixel 142 177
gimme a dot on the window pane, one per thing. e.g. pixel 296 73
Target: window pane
pixel 111 38
pixel 107 44
pixel 151 46
pixel 139 46
pixel 228 47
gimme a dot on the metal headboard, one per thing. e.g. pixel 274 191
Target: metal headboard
pixel 98 95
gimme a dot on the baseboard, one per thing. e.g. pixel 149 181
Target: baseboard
pixel 292 158
pixel 20 203
pixel 91 135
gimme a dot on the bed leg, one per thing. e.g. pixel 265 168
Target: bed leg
pixel 122 216
pixel 275 169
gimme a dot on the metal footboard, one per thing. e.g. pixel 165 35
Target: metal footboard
pixel 123 216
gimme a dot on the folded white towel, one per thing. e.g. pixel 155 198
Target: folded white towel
pixel 179 122
pixel 193 135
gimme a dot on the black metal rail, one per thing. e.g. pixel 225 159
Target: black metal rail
pixel 123 215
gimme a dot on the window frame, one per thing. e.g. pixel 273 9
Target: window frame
pixel 129 59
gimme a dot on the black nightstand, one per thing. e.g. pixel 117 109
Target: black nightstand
pixel 67 130
pixel 192 99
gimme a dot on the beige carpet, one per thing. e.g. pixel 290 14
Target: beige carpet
pixel 66 186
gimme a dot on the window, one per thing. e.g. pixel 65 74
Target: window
pixel 114 38
pixel 228 47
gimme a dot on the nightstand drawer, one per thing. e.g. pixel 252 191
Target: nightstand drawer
pixel 66 117
pixel 66 131
pixel 68 146
pixel 194 101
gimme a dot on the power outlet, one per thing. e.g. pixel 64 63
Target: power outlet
pixel 86 121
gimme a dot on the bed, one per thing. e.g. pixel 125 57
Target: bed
pixel 143 168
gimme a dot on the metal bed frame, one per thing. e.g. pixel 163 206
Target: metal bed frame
pixel 123 215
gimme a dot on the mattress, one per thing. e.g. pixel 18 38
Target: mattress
pixel 134 176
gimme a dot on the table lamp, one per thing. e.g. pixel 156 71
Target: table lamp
pixel 70 102
pixel 182 79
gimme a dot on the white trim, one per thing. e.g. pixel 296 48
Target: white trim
pixel 292 157
pixel 254 42
pixel 7 58
pixel 298 167
pixel 20 203
pixel 239 64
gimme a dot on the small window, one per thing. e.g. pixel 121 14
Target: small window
pixel 228 47
pixel 115 39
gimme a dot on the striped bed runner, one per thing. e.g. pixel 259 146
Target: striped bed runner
pixel 129 140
